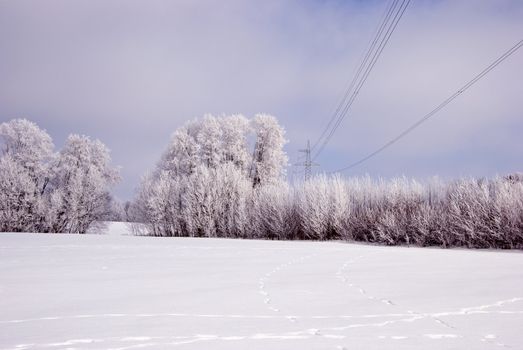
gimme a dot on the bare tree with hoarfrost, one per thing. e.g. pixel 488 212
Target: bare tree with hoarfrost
pixel 83 177
pixel 313 208
pixel 202 183
pixel 210 142
pixel 200 203
pixel 26 152
pixel 233 191
pixel 27 144
pixel 269 160
pixel 339 207
pixel 20 201
pixel 273 212
pixel 182 156
pixel 209 136
pixel 235 132
pixel 42 191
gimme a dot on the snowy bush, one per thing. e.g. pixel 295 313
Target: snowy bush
pixel 273 213
pixel 313 208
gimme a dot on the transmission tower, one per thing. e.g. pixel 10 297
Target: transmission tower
pixel 307 164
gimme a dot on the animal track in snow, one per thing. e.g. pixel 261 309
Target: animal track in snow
pixel 262 281
pixel 141 341
pixel 442 336
pixel 492 338
pixel 342 275
pixel 131 342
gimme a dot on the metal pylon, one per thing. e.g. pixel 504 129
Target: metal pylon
pixel 307 163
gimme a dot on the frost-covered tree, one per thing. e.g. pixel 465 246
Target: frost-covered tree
pixel 233 191
pixel 200 198
pixel 210 137
pixel 83 177
pixel 273 212
pixel 182 155
pixel 26 152
pixel 269 161
pixel 208 162
pixel 140 210
pixel 160 206
pixel 313 208
pixel 20 200
pixel 211 142
pixel 27 144
pixel 45 192
pixel 339 207
pixel 235 132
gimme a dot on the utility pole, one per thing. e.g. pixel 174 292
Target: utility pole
pixel 307 163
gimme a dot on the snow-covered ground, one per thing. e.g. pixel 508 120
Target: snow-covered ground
pixel 123 292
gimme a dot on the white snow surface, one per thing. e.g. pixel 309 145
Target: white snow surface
pixel 118 291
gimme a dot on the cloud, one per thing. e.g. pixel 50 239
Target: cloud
pixel 131 72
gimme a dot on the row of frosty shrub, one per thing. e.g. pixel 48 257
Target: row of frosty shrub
pixel 474 213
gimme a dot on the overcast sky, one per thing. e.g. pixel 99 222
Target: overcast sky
pixel 130 72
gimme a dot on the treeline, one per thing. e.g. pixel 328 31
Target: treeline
pixel 207 185
pixel 464 213
pixel 225 177
pixel 46 191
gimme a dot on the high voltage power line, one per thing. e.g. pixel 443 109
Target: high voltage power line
pixel 385 30
pixel 384 19
pixel 442 105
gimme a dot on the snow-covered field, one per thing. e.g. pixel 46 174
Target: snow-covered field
pixel 123 292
